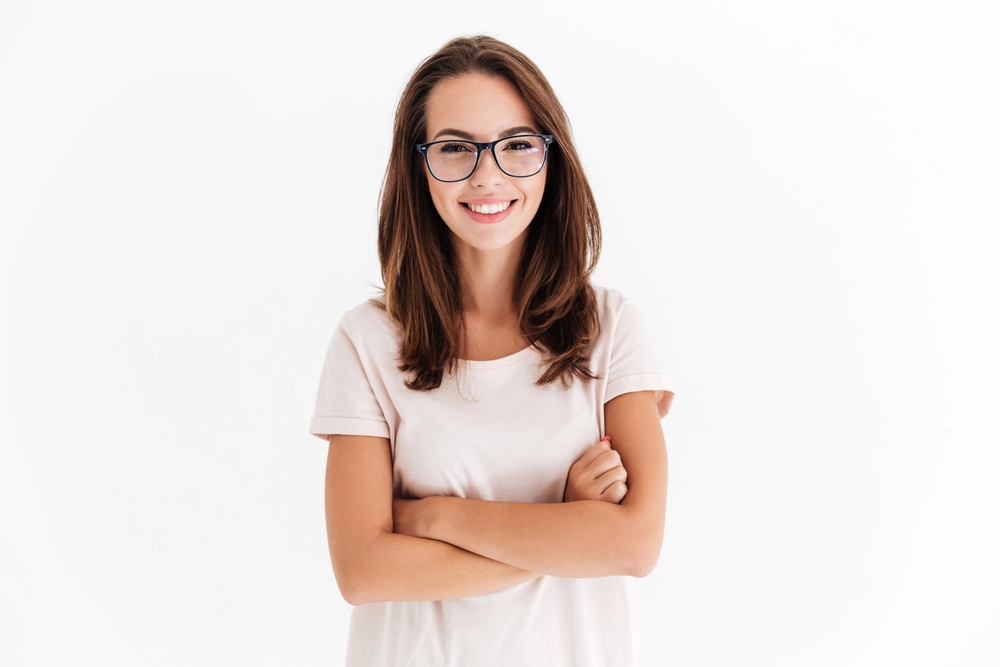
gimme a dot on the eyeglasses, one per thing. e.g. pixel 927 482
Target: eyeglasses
pixel 453 160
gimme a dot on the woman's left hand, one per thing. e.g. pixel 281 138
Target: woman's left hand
pixel 597 475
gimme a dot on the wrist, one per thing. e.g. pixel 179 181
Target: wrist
pixel 432 513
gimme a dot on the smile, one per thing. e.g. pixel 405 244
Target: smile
pixel 488 209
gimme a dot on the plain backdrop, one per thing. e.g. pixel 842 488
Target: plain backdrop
pixel 802 199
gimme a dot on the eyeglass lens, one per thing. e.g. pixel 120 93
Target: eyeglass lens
pixel 456 160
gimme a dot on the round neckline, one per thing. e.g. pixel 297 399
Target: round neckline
pixel 497 363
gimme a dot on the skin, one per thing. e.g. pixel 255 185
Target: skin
pixel 378 557
pixel 484 109
pixel 586 538
pixel 597 475
pixel 438 548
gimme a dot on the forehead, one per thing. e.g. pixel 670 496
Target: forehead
pixel 481 105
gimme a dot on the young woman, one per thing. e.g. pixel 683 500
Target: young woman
pixel 482 414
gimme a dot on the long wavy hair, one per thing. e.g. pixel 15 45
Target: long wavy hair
pixel 556 306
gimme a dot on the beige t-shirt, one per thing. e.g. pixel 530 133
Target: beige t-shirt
pixel 489 432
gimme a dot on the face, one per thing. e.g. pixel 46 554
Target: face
pixel 480 108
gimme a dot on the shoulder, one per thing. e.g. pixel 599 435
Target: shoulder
pixel 366 319
pixel 626 353
pixel 368 329
pixel 610 305
pixel 622 325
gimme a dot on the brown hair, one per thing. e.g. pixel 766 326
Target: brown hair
pixel 557 309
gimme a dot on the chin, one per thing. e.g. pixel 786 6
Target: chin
pixel 490 242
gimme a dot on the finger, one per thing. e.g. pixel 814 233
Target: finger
pixel 611 477
pixel 593 452
pixel 603 463
pixel 615 493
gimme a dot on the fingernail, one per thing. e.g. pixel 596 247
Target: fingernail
pixel 606 438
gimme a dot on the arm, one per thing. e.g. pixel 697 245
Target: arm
pixel 586 538
pixel 373 564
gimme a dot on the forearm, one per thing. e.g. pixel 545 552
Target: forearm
pixel 586 538
pixel 401 567
pixel 371 563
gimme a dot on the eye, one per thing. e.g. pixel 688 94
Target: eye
pixel 456 147
pixel 522 145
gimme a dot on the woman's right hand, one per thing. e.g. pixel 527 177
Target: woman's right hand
pixel 597 475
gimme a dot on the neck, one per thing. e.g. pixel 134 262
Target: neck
pixel 487 279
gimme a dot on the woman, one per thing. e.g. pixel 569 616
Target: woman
pixel 475 513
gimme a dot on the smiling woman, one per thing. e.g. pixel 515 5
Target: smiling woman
pixel 496 468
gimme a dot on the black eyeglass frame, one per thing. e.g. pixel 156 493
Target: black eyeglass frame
pixel 482 146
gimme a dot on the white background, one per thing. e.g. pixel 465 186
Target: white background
pixel 802 198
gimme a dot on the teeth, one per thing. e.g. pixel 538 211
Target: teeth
pixel 490 209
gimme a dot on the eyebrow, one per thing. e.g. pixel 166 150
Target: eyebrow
pixel 461 134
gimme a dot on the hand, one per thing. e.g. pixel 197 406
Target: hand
pixel 597 475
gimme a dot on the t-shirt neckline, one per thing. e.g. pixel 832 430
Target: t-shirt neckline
pixel 497 363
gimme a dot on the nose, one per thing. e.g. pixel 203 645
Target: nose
pixel 487 171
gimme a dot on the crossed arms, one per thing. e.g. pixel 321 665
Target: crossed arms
pixel 438 548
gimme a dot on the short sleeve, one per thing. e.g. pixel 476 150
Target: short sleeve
pixel 635 365
pixel 345 402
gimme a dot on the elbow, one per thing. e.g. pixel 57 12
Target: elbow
pixel 353 594
pixel 644 554
pixel 349 594
pixel 642 566
pixel 355 587
pixel 351 589
pixel 355 577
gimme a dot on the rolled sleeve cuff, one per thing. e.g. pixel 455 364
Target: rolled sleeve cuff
pixel 322 427
pixel 651 382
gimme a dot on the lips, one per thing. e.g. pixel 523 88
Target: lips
pixel 487 211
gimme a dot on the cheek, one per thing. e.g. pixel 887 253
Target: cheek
pixel 538 188
pixel 440 196
pixel 542 179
